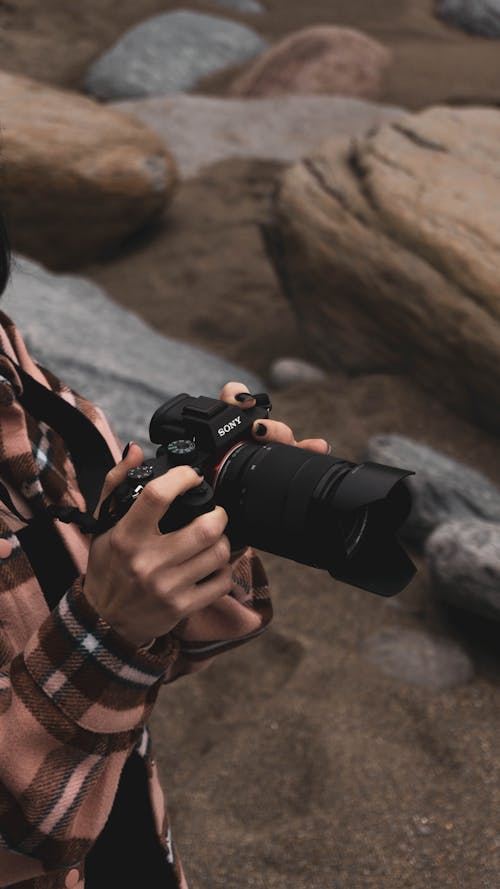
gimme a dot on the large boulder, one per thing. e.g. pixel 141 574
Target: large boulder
pixel 77 178
pixel 200 130
pixel 170 53
pixel 388 247
pixel 320 59
pixel 108 354
pixel 474 16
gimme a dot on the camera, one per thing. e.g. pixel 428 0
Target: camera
pixel 315 509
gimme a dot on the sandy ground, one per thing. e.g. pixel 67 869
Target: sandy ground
pixel 292 762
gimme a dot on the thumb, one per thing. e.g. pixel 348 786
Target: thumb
pixel 118 474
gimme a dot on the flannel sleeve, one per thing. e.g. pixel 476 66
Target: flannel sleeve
pixel 73 705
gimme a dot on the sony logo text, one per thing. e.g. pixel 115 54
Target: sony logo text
pixel 228 426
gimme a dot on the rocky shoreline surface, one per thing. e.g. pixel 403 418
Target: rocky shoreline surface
pixel 323 242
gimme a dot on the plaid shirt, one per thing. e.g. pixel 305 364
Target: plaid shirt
pixel 75 696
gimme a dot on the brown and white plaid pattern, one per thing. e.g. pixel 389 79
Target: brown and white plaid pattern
pixel 75 696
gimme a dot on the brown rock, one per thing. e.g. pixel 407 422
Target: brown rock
pixel 77 178
pixel 321 59
pixel 389 249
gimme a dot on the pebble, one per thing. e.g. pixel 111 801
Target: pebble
pixel 286 372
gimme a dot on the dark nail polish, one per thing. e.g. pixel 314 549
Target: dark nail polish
pixel 243 396
pixel 126 449
pixel 199 471
pixel 260 429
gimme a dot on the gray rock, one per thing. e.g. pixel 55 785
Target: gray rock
pixel 169 53
pixel 201 130
pixel 241 5
pixel 442 488
pixel 286 371
pixel 419 658
pixel 108 354
pixel 464 563
pixel 475 16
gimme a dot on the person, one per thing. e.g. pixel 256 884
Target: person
pixel 82 662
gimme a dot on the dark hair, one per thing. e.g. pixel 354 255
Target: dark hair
pixel 4 255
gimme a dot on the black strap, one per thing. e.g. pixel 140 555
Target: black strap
pixel 52 563
pixel 90 453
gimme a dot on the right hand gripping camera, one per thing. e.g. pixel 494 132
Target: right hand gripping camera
pixel 312 508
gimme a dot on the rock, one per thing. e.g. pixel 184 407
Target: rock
pixel 241 5
pixel 108 354
pixel 475 16
pixel 320 59
pixel 388 248
pixel 170 53
pixel 419 658
pixel 442 489
pixel 201 130
pixel 287 371
pixel 77 178
pixel 464 564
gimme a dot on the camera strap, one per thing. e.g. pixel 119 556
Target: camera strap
pixel 92 460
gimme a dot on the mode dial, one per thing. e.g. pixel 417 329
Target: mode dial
pixel 181 451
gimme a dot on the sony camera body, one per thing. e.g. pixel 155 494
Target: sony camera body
pixel 315 509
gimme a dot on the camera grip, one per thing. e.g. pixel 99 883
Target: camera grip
pixel 186 507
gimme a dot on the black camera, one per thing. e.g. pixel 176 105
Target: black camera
pixel 315 509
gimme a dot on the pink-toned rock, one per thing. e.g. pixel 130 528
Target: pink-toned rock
pixel 321 59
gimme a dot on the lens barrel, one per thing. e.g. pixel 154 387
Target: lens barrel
pixel 318 510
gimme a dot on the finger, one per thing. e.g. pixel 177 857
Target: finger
pixel 321 445
pixel 200 596
pixel 272 430
pixel 196 537
pixel 196 568
pixel 229 391
pixel 155 499
pixel 118 474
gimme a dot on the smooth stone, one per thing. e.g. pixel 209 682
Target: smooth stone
pixel 475 16
pixel 464 563
pixel 201 130
pixel 107 354
pixel 286 372
pixel 442 489
pixel 169 53
pixel 78 179
pixel 322 59
pixel 240 5
pixel 418 658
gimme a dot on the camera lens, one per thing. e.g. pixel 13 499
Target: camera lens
pixel 318 510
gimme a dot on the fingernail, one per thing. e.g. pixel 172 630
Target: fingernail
pixel 198 470
pixel 243 396
pixel 126 449
pixel 260 429
pixel 329 451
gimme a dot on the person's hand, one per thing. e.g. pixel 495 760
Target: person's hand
pixel 267 430
pixel 270 430
pixel 143 582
